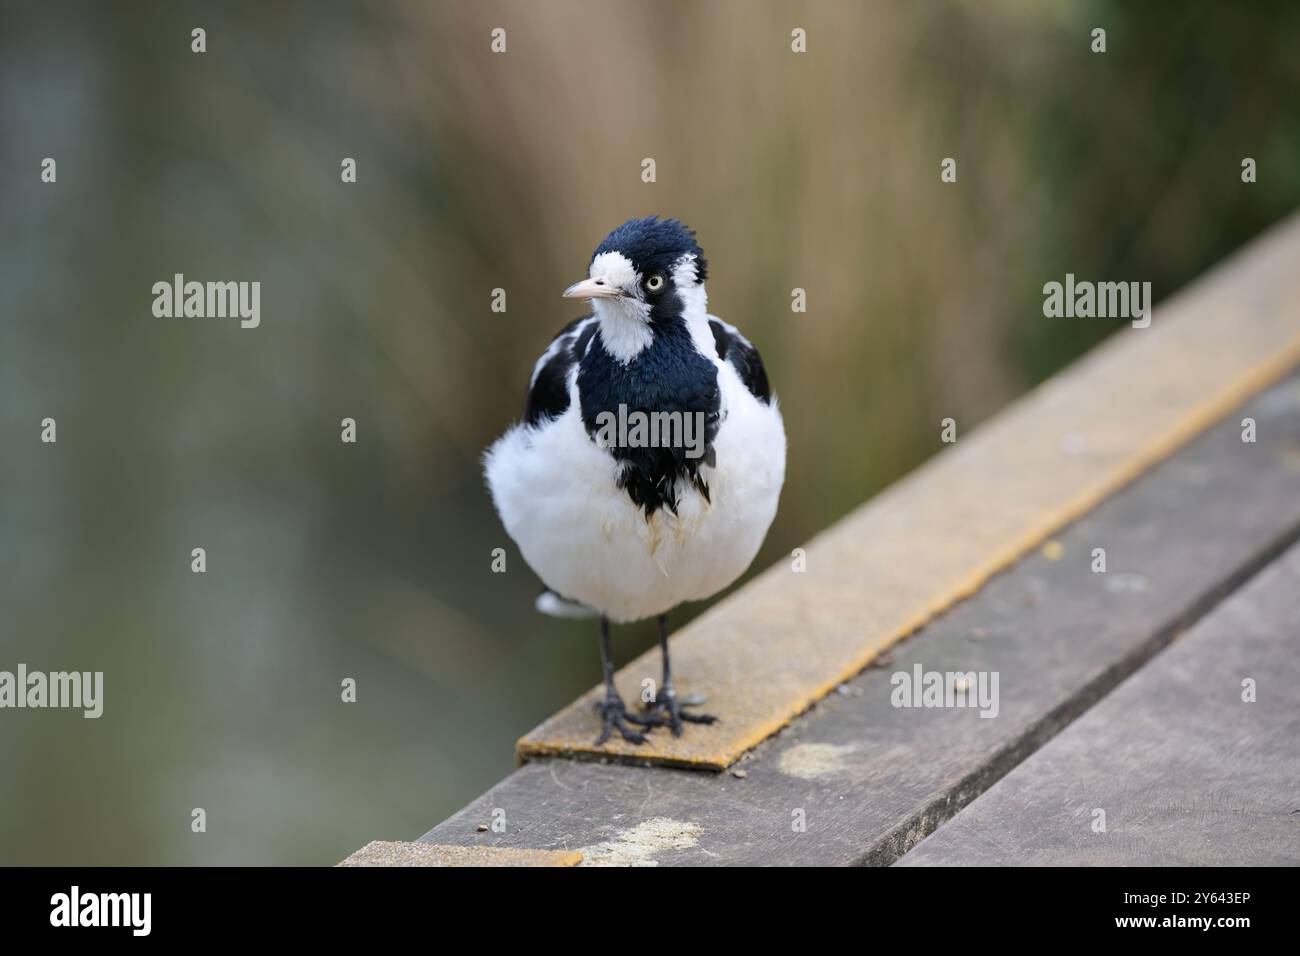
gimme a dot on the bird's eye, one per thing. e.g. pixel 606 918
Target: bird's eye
pixel 654 283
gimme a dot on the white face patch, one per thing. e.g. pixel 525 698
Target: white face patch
pixel 624 326
pixel 624 322
pixel 616 269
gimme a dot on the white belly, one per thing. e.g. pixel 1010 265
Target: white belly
pixel 555 491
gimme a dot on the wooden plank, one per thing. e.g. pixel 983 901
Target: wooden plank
pixel 870 779
pixel 383 853
pixel 1176 766
pixel 775 647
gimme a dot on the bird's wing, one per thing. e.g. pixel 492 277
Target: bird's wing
pixel 743 357
pixel 548 389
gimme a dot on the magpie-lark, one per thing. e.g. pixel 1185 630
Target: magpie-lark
pixel 628 527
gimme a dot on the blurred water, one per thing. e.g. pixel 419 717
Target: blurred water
pixel 372 561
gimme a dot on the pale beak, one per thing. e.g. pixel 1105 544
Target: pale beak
pixel 592 289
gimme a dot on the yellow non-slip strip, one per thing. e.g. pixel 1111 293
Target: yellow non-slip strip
pixel 382 853
pixel 776 646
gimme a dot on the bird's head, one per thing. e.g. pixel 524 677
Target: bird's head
pixel 647 272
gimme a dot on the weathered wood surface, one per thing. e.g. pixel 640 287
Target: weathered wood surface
pixel 382 853
pixel 784 640
pixel 870 779
pixel 1176 765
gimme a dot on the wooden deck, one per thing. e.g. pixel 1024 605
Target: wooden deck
pixel 1149 713
pixel 1186 771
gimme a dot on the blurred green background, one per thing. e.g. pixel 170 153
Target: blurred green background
pixel 479 171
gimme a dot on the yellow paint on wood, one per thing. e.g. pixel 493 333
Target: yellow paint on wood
pixel 773 648
pixel 383 853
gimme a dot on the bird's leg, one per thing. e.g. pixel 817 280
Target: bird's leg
pixel 613 712
pixel 666 708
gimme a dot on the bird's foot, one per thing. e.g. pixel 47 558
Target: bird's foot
pixel 666 711
pixel 614 716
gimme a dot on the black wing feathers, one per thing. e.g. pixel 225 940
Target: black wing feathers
pixel 744 358
pixel 548 396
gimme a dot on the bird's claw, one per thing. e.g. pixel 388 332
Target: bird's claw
pixel 666 711
pixel 614 716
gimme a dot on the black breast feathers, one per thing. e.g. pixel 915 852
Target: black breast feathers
pixel 669 376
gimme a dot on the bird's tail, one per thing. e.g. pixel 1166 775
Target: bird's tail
pixel 548 602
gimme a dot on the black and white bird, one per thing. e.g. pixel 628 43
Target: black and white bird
pixel 625 530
